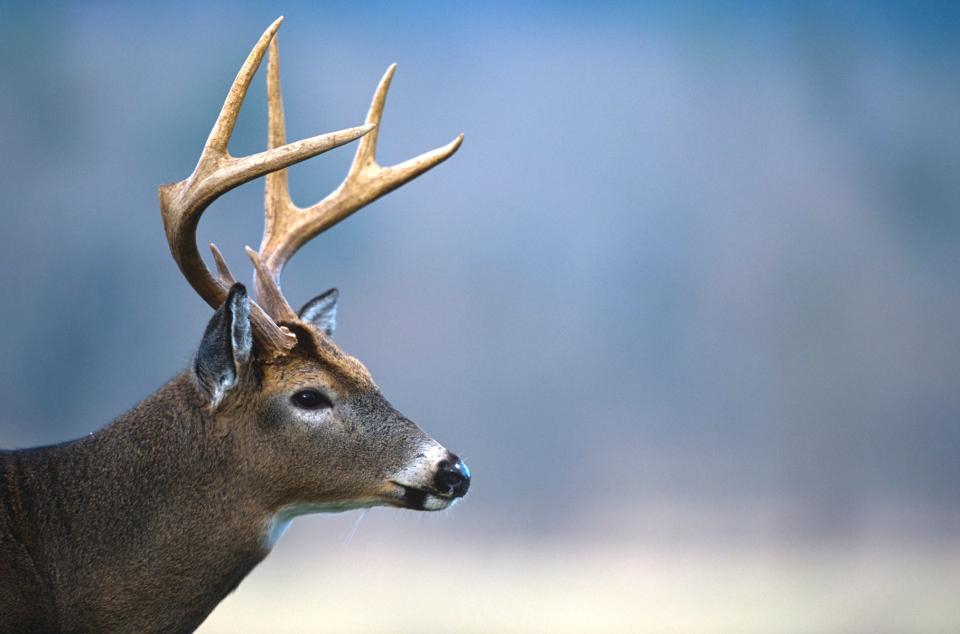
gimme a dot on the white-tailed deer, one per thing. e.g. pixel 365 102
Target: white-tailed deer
pixel 146 525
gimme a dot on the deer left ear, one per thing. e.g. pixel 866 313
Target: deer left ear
pixel 321 311
pixel 226 346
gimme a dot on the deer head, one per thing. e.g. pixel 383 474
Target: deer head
pixel 318 433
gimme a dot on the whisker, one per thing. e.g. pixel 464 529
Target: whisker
pixel 356 527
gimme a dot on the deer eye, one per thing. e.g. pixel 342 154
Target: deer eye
pixel 311 399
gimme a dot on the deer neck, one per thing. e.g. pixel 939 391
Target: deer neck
pixel 148 517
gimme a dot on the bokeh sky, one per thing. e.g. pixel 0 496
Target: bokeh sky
pixel 693 277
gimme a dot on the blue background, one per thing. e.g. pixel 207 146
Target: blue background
pixel 692 279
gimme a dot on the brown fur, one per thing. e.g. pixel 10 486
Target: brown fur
pixel 147 524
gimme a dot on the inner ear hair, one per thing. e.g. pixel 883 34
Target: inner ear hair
pixel 321 311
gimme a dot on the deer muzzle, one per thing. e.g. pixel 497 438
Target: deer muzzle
pixel 434 481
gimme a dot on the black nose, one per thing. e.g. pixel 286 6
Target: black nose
pixel 453 477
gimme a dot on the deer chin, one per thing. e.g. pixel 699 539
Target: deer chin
pixel 398 495
pixel 277 523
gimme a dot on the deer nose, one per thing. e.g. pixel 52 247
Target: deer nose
pixel 452 477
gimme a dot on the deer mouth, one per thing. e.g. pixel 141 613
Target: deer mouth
pixel 418 499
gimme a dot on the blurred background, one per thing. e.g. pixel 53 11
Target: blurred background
pixel 686 300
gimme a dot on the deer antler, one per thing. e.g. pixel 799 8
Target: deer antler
pixel 288 227
pixel 182 203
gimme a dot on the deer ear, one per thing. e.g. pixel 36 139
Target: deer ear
pixel 226 345
pixel 321 311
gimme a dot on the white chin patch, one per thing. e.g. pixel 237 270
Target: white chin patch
pixel 435 503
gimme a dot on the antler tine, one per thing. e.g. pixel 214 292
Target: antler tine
pixel 276 182
pixel 365 160
pixel 277 204
pixel 288 227
pixel 223 271
pixel 223 127
pixel 182 203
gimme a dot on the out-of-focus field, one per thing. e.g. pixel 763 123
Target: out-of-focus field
pixel 491 586
pixel 686 300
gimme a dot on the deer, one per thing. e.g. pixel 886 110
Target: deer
pixel 148 523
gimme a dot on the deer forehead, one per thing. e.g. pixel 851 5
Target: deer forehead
pixel 322 364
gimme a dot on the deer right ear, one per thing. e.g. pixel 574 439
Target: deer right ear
pixel 226 346
pixel 321 311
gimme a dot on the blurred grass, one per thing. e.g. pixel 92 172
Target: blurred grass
pixel 572 586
